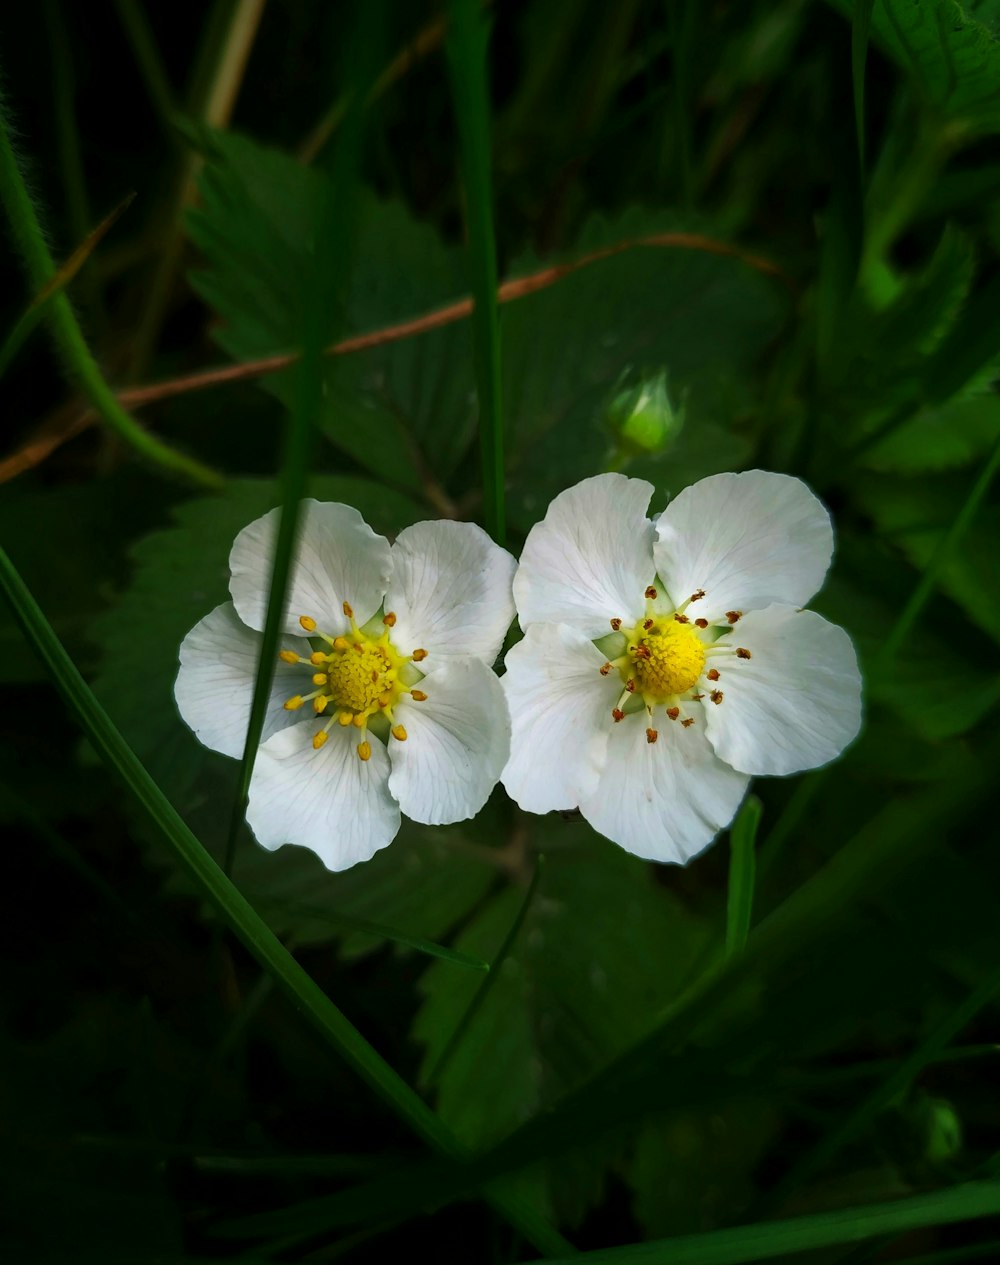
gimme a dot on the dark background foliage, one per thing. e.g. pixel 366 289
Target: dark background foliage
pixel 803 311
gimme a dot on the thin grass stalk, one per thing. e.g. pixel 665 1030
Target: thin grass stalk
pixel 466 44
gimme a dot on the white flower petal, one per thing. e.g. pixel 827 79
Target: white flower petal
pixel 214 687
pixel 747 539
pixel 329 800
pixel 338 559
pixel 458 740
pixel 590 559
pixel 796 703
pixel 450 591
pixel 664 800
pixel 560 711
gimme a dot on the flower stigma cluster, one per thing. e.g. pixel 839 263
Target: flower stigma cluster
pixel 360 678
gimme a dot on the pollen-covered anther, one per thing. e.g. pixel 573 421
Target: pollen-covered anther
pixel 389 619
pixel 320 704
pixel 348 610
pixel 642 652
pixel 341 643
pixel 616 624
pixel 681 619
pixel 294 703
pixel 673 712
pixel 288 656
pixel 364 750
pixel 418 656
pixel 308 623
pixel 734 616
pixel 344 718
pixel 716 696
pixel 374 675
pixel 687 722
pixel 651 735
pixel 701 623
pixel 319 678
pixel 696 698
pixel 605 669
pixel 318 658
pixel 319 738
pixel 696 597
pixel 418 696
pixel 651 593
pixel 743 653
pixel 399 733
pixel 712 674
pixel 630 685
pixel 617 714
pixel 647 624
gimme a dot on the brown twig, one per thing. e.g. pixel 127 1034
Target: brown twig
pixel 48 438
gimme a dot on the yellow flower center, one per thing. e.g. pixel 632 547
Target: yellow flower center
pixel 665 660
pixel 361 675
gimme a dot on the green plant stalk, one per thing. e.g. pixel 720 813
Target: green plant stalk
pixel 742 1244
pixel 299 987
pixel 483 991
pixel 66 330
pixel 939 560
pixel 859 55
pixel 466 44
pixel 742 866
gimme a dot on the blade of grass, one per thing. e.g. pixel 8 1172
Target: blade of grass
pixel 798 1234
pixel 322 317
pixel 466 44
pixel 66 330
pixel 430 947
pixel 483 991
pixel 296 984
pixel 859 56
pixel 38 306
pixel 742 866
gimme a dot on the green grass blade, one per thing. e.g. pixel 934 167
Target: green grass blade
pixel 237 913
pixel 31 316
pixel 859 56
pixel 66 330
pixel 799 1234
pixel 742 868
pixel 466 44
pixel 381 932
pixel 483 991
pixel 323 316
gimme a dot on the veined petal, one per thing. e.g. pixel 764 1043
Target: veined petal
pixel 450 591
pixel 796 703
pixel 663 800
pixel 560 711
pixel 329 800
pixel 590 559
pixel 338 558
pixel 457 741
pixel 214 687
pixel 746 539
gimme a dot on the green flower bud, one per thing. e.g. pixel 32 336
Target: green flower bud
pixel 642 416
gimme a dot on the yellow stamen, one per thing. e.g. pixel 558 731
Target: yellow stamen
pixel 365 750
pixel 294 703
pixel 317 658
pixel 419 656
pixel 399 733
pixel 308 623
pixel 389 619
pixel 344 718
pixel 319 678
pixel 341 643
pixel 319 704
pixel 359 720
pixel 288 656
pixel 319 739
pixel 418 696
pixel 348 611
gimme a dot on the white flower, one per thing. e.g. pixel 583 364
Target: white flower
pixel 664 664
pixel 391 667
